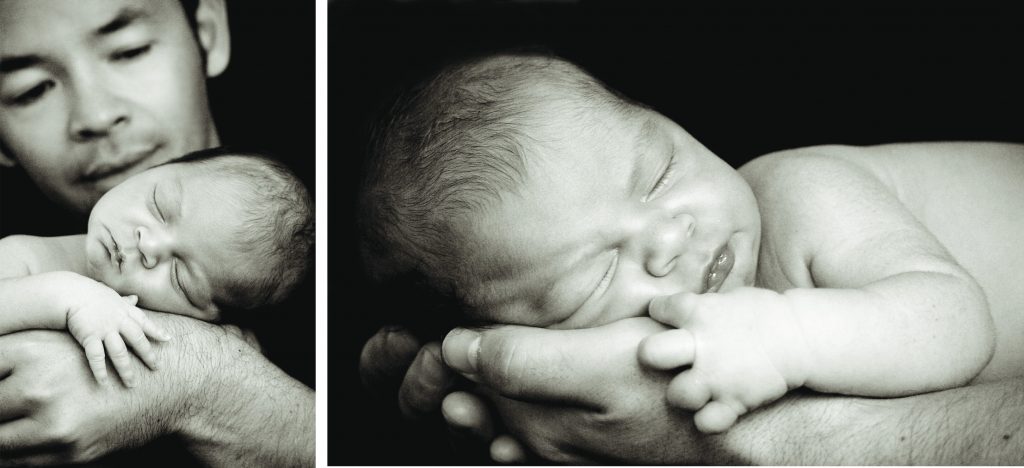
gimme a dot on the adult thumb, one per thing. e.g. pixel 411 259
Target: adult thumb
pixel 548 366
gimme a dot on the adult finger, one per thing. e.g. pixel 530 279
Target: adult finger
pixel 425 384
pixel 470 425
pixel 551 366
pixel 507 451
pixel 19 435
pixel 468 415
pixel 386 357
pixel 13 404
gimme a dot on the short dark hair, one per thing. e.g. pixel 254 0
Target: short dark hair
pixel 450 146
pixel 279 226
pixel 189 7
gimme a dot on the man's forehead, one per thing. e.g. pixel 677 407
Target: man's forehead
pixel 31 24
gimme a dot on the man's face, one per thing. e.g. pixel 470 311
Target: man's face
pixel 612 213
pixel 169 235
pixel 93 91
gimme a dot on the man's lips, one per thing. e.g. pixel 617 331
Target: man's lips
pixel 105 167
pixel 718 268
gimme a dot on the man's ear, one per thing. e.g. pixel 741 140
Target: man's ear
pixel 5 160
pixel 214 35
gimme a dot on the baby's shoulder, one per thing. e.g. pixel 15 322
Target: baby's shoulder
pixel 811 174
pixel 16 253
pixel 22 255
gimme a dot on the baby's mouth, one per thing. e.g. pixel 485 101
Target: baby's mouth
pixel 719 269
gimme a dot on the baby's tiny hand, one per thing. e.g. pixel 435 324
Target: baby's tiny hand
pixel 102 318
pixel 742 346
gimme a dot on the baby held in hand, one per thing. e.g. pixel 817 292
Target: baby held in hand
pixel 206 235
pixel 528 192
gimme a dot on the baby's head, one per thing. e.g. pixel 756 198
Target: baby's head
pixel 530 192
pixel 209 233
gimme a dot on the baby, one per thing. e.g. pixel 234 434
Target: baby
pixel 529 193
pixel 205 235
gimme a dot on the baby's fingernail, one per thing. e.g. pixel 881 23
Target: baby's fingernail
pixel 461 350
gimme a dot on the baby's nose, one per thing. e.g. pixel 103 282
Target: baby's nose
pixel 153 246
pixel 667 242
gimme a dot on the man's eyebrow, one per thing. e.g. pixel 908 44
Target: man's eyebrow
pixel 18 62
pixel 641 147
pixel 124 18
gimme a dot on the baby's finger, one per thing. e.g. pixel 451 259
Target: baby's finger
pixel 667 350
pixel 119 356
pixel 688 391
pixel 150 328
pixel 715 417
pixel 96 357
pixel 140 344
pixel 131 299
pixel 673 310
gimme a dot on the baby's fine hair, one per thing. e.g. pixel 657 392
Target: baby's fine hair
pixel 452 145
pixel 277 234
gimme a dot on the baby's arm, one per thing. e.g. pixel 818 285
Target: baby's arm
pixel 94 314
pixel 887 311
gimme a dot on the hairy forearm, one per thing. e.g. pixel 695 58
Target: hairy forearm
pixel 241 410
pixel 910 333
pixel 975 425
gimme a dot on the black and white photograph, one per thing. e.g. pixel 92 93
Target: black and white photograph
pixel 645 233
pixel 157 233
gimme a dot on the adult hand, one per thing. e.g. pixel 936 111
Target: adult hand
pixel 226 402
pixel 54 411
pixel 395 360
pixel 593 403
pixel 580 396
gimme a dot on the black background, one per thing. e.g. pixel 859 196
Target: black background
pixel 264 100
pixel 745 79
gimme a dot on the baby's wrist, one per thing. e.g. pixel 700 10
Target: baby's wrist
pixel 795 363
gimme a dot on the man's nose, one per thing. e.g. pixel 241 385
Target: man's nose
pixel 154 245
pixel 666 242
pixel 96 110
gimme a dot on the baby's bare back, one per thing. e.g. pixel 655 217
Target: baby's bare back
pixel 971 197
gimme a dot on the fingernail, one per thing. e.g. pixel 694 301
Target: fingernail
pixel 461 350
